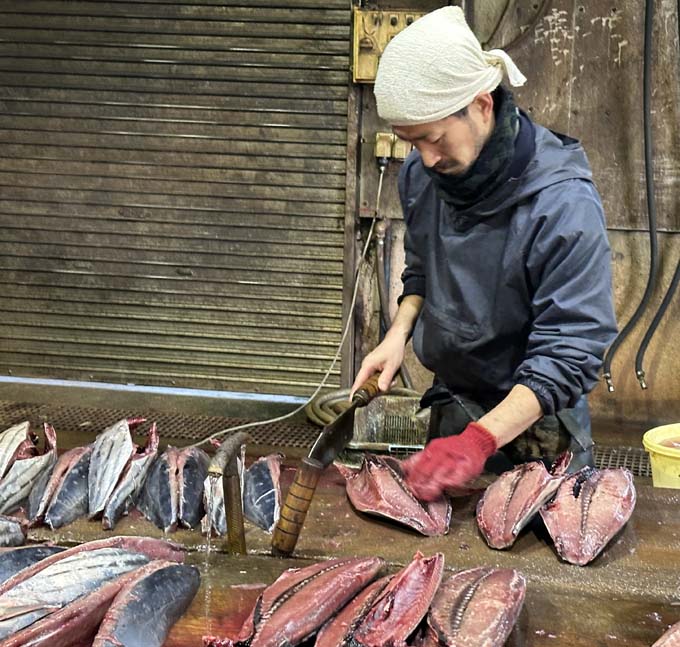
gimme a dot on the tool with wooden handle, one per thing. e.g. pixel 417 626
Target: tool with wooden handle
pixel 331 441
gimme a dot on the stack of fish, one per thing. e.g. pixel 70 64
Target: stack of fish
pixel 379 488
pixel 345 603
pixel 102 479
pixel 261 495
pixel 121 591
pixel 21 465
pixel 110 476
pixel 582 511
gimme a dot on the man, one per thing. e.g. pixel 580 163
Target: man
pixel 507 287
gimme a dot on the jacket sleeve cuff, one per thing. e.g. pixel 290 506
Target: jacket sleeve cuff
pixel 414 285
pixel 542 393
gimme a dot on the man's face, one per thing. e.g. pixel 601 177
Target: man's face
pixel 451 145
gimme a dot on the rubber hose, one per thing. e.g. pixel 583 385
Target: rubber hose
pixel 325 408
pixel 651 204
pixel 668 297
pixel 380 235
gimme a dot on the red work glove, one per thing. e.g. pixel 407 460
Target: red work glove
pixel 450 462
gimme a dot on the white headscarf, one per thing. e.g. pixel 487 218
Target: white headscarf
pixel 436 67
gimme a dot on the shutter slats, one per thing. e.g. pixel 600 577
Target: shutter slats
pixel 172 191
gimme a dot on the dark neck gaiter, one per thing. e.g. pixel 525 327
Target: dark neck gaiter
pixel 490 169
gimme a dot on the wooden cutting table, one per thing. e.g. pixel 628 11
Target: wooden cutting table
pixel 627 596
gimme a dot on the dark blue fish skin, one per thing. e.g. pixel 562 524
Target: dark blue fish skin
pixel 146 615
pixel 261 494
pixel 37 492
pixel 156 501
pixel 194 473
pixel 71 500
pixel 13 561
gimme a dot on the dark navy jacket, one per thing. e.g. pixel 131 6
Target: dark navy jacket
pixel 517 288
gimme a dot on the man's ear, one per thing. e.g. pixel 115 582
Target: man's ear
pixel 484 104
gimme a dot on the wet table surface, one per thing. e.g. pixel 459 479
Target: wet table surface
pixel 628 596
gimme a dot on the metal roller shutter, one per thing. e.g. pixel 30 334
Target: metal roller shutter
pixel 172 191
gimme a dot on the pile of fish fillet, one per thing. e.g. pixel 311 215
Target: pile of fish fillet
pixel 582 511
pixel 352 603
pixel 109 477
pixel 107 593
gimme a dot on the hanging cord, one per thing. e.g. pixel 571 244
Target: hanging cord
pixel 668 297
pixel 350 314
pixel 651 204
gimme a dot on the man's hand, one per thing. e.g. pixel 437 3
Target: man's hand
pixel 450 462
pixel 385 358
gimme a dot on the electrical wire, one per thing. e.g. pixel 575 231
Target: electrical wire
pixel 651 204
pixel 350 314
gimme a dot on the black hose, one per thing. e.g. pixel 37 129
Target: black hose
pixel 639 359
pixel 651 204
pixel 380 234
pixel 668 297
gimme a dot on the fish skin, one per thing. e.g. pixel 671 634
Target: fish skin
pixel 10 441
pixel 147 607
pixel 113 448
pixel 173 491
pixel 515 497
pixel 215 507
pixel 70 500
pixel 476 608
pixel 16 485
pixel 193 463
pixel 339 630
pixel 671 638
pixel 158 501
pixel 292 618
pixel 262 492
pixel 152 548
pixel 75 625
pixel 61 583
pixel 36 495
pixel 378 487
pixel 590 507
pixel 12 531
pixel 131 482
pixel 45 490
pixel 13 561
pixel 402 604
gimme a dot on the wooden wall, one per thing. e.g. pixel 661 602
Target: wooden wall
pixel 583 61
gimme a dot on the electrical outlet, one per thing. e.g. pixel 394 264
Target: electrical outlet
pixel 383 144
pixel 372 31
pixel 400 148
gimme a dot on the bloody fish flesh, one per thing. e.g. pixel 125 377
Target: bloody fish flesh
pixel 378 487
pixel 590 507
pixel 513 499
pixel 475 608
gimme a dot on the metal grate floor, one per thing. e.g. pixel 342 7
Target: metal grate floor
pixel 634 459
pixel 280 434
pixel 178 426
